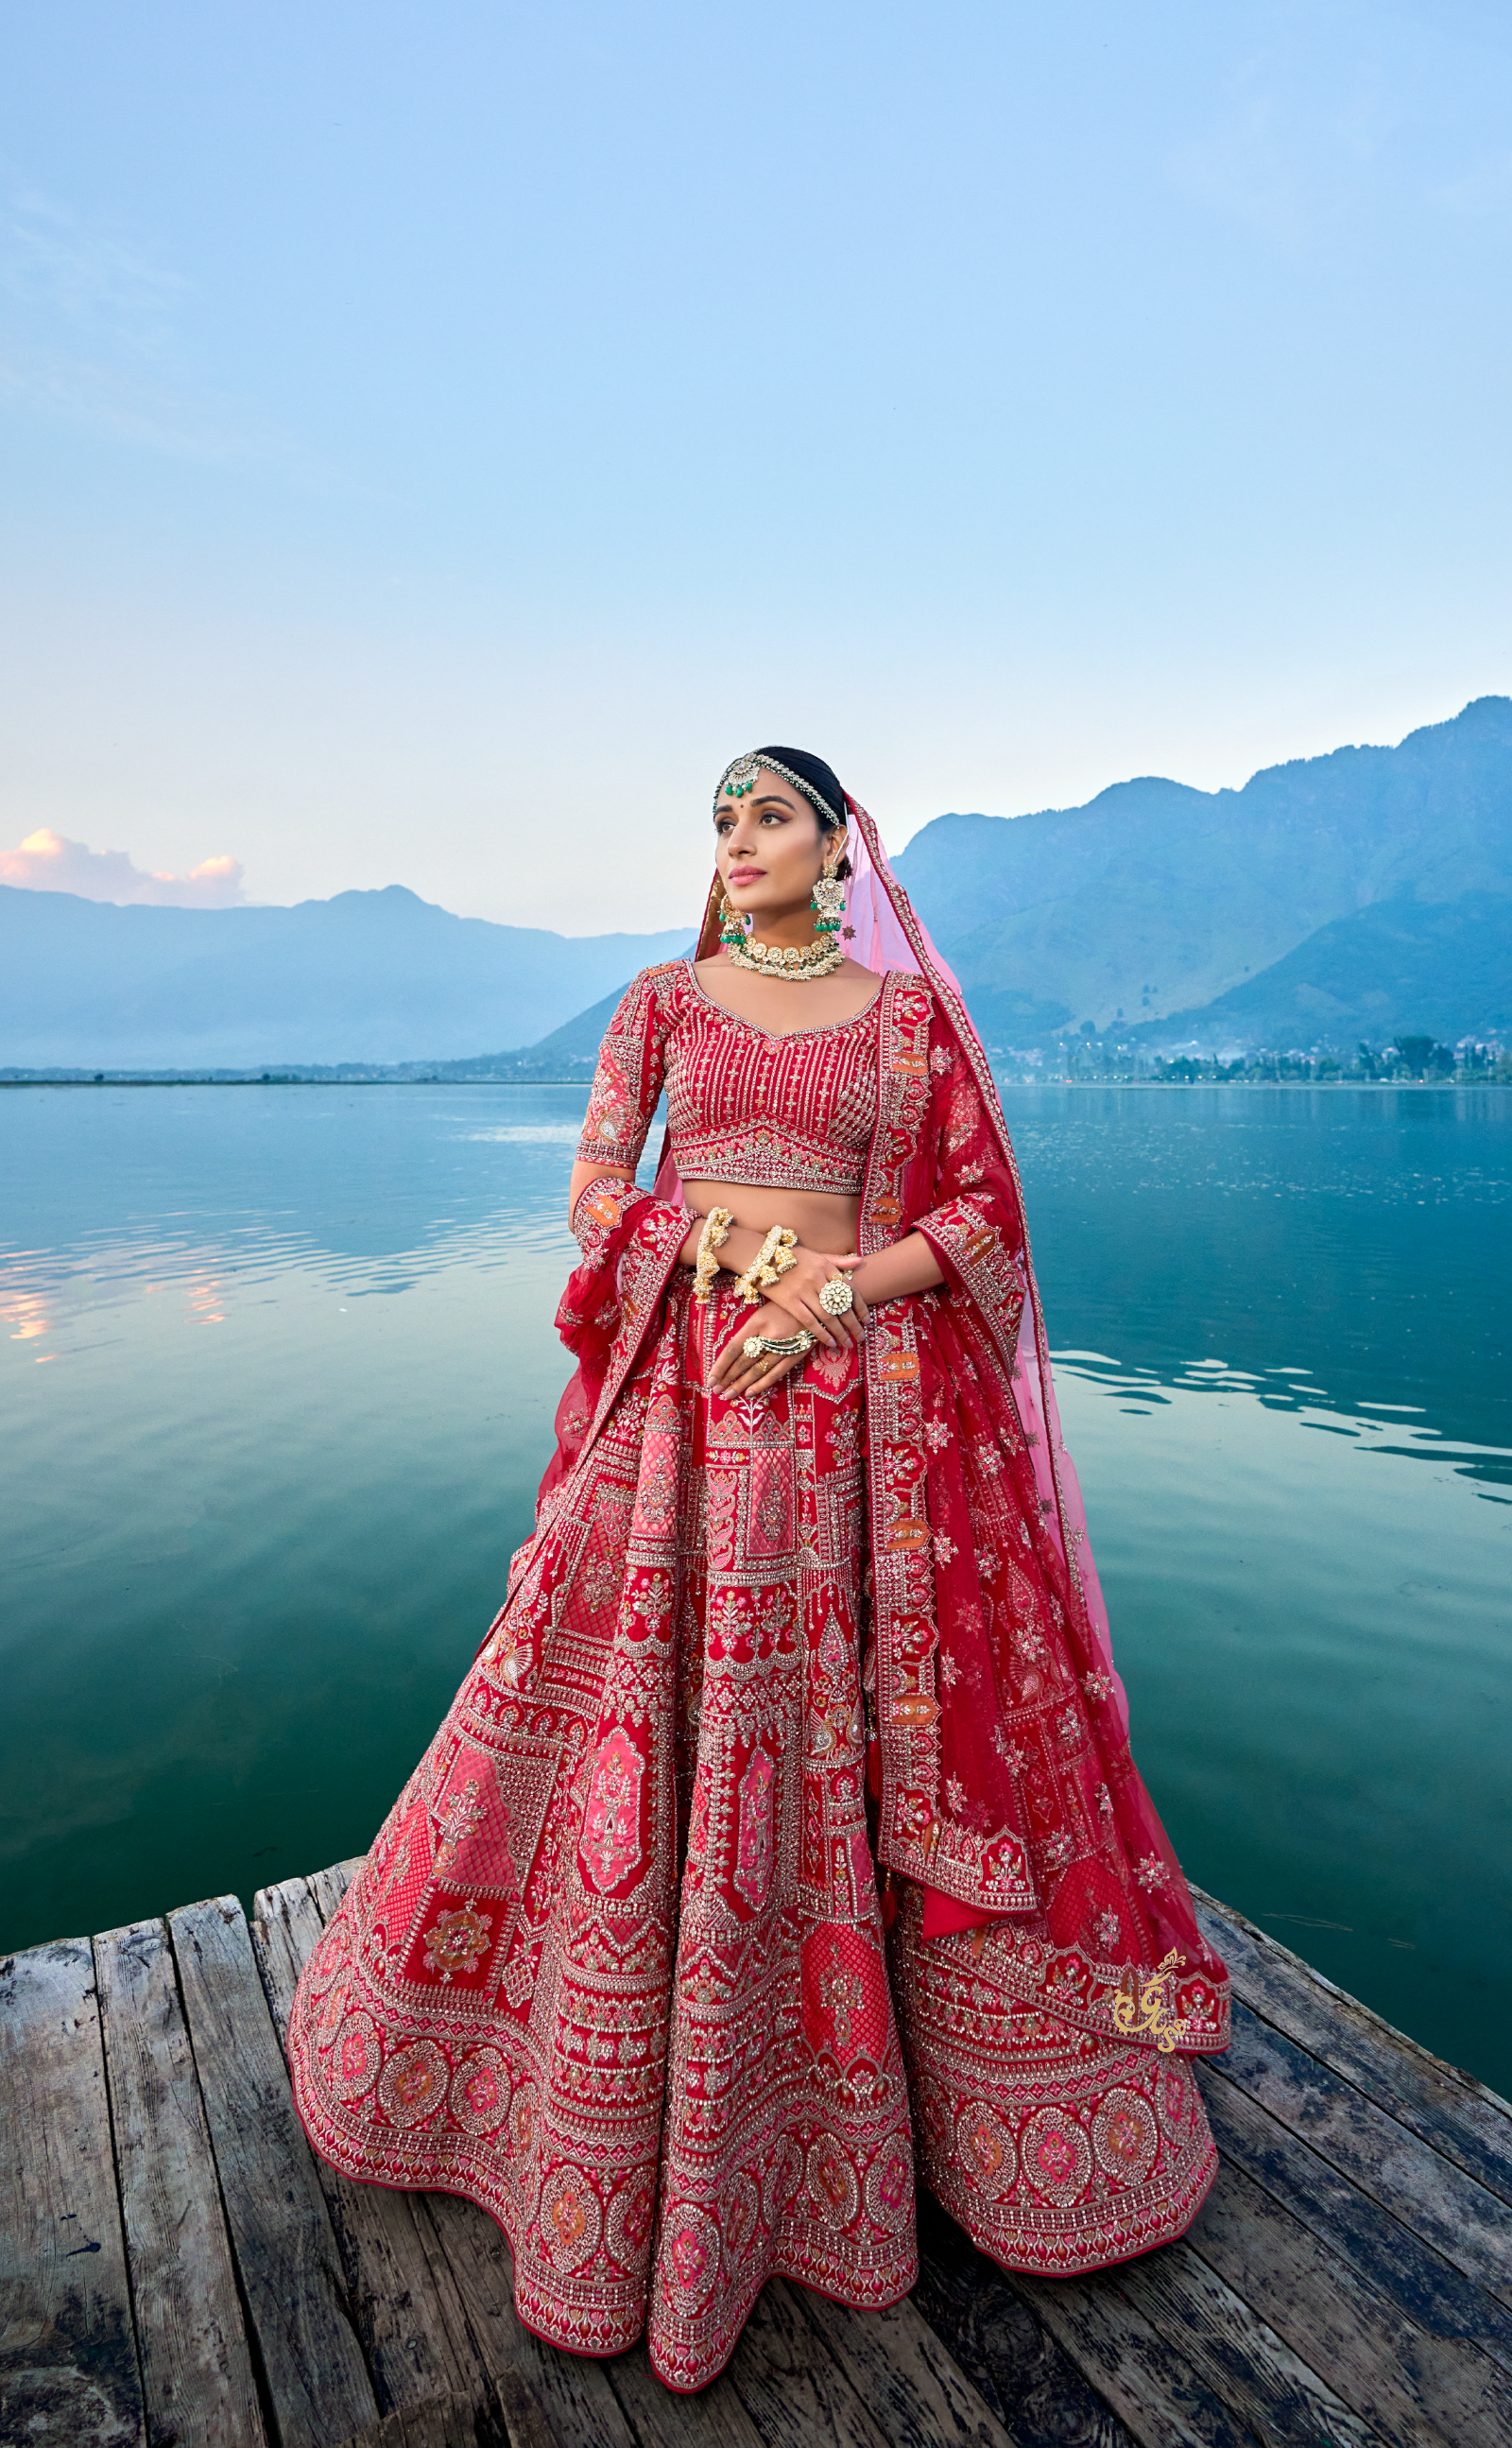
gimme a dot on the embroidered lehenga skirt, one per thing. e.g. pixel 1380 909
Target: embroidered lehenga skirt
pixel 617 1966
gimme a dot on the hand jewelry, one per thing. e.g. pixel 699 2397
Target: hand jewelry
pixel 772 1261
pixel 836 1296
pixel 781 1346
pixel 711 1240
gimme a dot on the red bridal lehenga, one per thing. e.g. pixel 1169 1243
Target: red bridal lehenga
pixel 782 1845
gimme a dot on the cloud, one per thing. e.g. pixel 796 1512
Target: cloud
pixel 45 862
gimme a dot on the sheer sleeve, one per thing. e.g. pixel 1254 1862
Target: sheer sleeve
pixel 975 1225
pixel 629 1080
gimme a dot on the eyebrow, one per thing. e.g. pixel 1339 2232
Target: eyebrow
pixel 767 799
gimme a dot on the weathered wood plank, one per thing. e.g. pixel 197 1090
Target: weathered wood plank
pixel 1459 2218
pixel 281 2230
pixel 1438 2298
pixel 1146 2379
pixel 196 2364
pixel 918 2396
pixel 1418 2391
pixel 570 2393
pixel 795 2396
pixel 330 1887
pixel 408 2315
pixel 661 2419
pixel 1243 2361
pixel 443 2423
pixel 1037 2392
pixel 68 2367
pixel 1464 2120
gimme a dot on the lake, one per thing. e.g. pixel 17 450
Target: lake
pixel 280 1376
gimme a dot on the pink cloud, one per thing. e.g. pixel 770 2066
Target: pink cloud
pixel 45 862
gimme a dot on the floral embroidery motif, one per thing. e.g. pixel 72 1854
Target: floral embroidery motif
pixel 460 1813
pixel 693 2255
pixel 1125 2137
pixel 570 2218
pixel 480 2092
pixel 1057 2155
pixel 986 2150
pixel 832 2186
pixel 456 1941
pixel 611 1846
pixel 413 2083
pixel 753 1868
pixel 842 1994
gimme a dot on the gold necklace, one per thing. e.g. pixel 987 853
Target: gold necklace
pixel 819 959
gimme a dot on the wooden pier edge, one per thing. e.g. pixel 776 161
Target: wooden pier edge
pixel 176 2267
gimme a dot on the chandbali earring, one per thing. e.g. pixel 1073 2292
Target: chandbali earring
pixel 829 902
pixel 734 928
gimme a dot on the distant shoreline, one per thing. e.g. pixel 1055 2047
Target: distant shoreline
pixel 583 1080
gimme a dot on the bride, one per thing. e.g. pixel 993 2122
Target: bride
pixel 782 1844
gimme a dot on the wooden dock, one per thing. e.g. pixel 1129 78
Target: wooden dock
pixel 178 2268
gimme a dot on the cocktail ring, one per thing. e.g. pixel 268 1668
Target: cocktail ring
pixel 836 1296
pixel 781 1346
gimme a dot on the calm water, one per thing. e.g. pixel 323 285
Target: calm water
pixel 279 1372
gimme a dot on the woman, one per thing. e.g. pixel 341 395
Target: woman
pixel 783 1838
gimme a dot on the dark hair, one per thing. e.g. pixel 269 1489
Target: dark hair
pixel 818 775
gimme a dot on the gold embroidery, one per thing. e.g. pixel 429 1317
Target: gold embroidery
pixel 1147 2011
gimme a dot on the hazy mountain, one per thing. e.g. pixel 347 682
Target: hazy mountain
pixel 1439 968
pixel 1153 899
pixel 1355 894
pixel 380 977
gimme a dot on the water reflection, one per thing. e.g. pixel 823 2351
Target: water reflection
pixel 245 1570
pixel 1140 1391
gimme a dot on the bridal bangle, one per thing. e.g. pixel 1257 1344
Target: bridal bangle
pixel 772 1261
pixel 711 1241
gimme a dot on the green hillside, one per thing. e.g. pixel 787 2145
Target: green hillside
pixel 1440 969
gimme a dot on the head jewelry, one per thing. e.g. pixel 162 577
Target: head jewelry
pixel 738 780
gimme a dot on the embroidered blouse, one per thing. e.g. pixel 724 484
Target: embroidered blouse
pixel 795 1112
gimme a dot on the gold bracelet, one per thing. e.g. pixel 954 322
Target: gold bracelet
pixel 772 1261
pixel 711 1240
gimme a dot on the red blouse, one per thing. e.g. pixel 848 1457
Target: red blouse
pixel 795 1112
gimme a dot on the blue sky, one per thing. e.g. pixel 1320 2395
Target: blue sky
pixel 436 438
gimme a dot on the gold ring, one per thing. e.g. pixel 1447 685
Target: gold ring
pixel 836 1296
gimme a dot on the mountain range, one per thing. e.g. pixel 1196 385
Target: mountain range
pixel 1357 894
pixel 1341 895
pixel 366 977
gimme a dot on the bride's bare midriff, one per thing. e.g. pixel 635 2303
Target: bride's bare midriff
pixel 821 1220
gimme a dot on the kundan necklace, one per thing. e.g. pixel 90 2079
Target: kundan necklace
pixel 819 959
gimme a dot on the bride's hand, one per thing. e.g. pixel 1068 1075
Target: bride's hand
pixel 798 1291
pixel 732 1374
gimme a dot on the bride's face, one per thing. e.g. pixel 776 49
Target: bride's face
pixel 770 849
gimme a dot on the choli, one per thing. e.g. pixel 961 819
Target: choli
pixel 795 1112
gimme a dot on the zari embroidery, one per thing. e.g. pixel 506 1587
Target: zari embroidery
pixel 795 1112
pixel 614 1966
